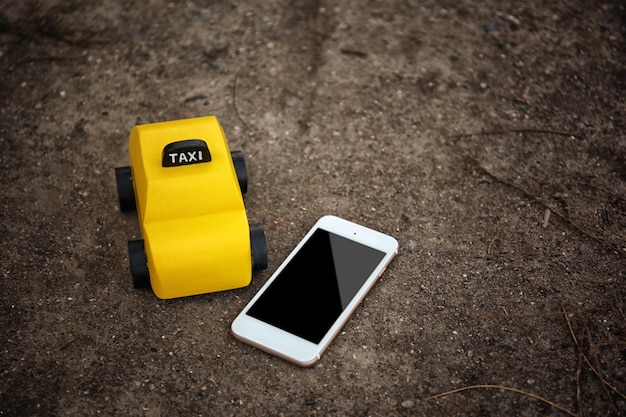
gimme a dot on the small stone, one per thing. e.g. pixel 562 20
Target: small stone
pixel 408 404
pixel 205 15
pixel 492 27
pixel 215 50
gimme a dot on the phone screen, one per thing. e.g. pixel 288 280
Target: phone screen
pixel 313 289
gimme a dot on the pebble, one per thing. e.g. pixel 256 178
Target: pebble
pixel 408 404
pixel 492 27
pixel 213 51
pixel 205 15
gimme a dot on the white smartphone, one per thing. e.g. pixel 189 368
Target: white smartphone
pixel 306 302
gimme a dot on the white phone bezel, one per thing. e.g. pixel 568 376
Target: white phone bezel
pixel 296 349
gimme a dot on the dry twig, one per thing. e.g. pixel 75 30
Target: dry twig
pixel 515 390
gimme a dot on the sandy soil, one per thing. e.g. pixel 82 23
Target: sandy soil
pixel 488 137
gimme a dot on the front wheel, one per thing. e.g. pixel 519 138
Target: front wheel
pixel 240 169
pixel 138 264
pixel 258 245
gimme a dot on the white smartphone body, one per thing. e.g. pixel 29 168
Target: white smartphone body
pixel 306 302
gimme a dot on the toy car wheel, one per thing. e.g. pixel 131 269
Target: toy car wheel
pixel 138 264
pixel 125 191
pixel 258 245
pixel 240 169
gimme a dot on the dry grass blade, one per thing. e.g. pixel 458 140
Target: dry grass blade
pixel 539 200
pixel 579 371
pixel 517 130
pixel 236 103
pixel 618 304
pixel 587 361
pixel 593 353
pixel 492 242
pixel 501 387
pixel 592 306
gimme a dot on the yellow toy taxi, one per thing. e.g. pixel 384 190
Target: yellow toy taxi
pixel 187 188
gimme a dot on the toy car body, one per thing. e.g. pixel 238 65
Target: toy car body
pixel 187 189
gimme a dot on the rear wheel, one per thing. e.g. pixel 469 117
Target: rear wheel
pixel 240 169
pixel 138 263
pixel 125 189
pixel 258 245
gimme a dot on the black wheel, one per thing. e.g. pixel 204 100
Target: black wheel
pixel 138 264
pixel 258 245
pixel 240 169
pixel 125 190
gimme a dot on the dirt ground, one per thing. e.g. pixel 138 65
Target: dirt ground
pixel 488 137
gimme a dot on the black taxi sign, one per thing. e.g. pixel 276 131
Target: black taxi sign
pixel 185 152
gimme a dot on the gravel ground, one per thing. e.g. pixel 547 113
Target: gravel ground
pixel 488 137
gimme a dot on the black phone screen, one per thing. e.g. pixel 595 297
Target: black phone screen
pixel 310 293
